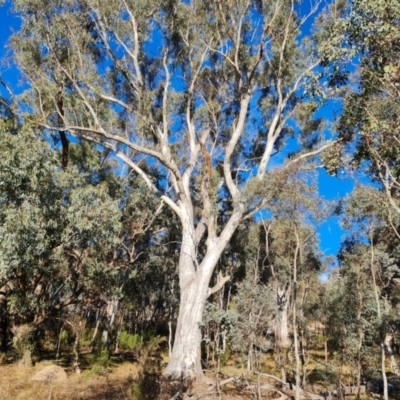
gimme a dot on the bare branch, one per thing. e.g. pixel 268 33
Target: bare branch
pixel 220 284
pixel 311 153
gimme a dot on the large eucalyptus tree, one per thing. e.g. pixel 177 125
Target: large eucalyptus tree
pixel 200 93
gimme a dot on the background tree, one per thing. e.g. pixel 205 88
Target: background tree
pixel 57 232
pixel 365 215
pixel 372 106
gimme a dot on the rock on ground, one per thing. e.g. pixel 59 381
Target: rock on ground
pixel 52 373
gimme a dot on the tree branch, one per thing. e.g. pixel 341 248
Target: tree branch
pixel 220 284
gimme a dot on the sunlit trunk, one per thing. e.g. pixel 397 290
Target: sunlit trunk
pixel 385 382
pixel 295 338
pixel 185 358
pixel 96 329
pixel 395 368
pixel 194 280
pixel 282 319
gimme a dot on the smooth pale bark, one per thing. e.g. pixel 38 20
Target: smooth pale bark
pixel 170 318
pixel 282 320
pixel 388 340
pixel 295 338
pixel 96 329
pixel 384 377
pixel 185 358
pixel 111 312
pixel 281 328
pixel 194 281
pixel 250 357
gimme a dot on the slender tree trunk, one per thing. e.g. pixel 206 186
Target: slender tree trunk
pixel 303 359
pixel 296 345
pixel 250 358
pixel 360 335
pixel 282 329
pixel 119 333
pixel 378 308
pixel 295 339
pixel 112 308
pixel 170 318
pixel 388 340
pixel 283 371
pixel 76 348
pixel 96 329
pixel 59 341
pixel 385 382
pixel 3 320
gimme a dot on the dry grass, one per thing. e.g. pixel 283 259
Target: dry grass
pixel 16 384
pixel 131 380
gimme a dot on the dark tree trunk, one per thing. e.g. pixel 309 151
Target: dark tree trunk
pixel 3 320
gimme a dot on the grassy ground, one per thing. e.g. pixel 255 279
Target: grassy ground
pixel 16 384
pixel 139 378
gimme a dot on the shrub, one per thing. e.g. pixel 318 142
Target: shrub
pixel 130 342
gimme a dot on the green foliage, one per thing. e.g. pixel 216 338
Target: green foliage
pixel 64 338
pixel 224 356
pixel 58 231
pixel 103 360
pixel 131 342
pixel 371 108
pixel 217 325
pixel 99 364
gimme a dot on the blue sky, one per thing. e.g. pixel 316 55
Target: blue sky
pixel 330 188
pixel 8 24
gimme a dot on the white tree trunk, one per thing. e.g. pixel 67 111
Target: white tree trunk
pixel 282 320
pixel 194 280
pixel 185 358
pixel 111 312
pixel 295 339
pixel 384 376
pixel 388 340
pixel 96 329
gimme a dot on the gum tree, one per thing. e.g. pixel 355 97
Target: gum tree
pixel 372 106
pixel 58 233
pixel 201 94
pixel 377 258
